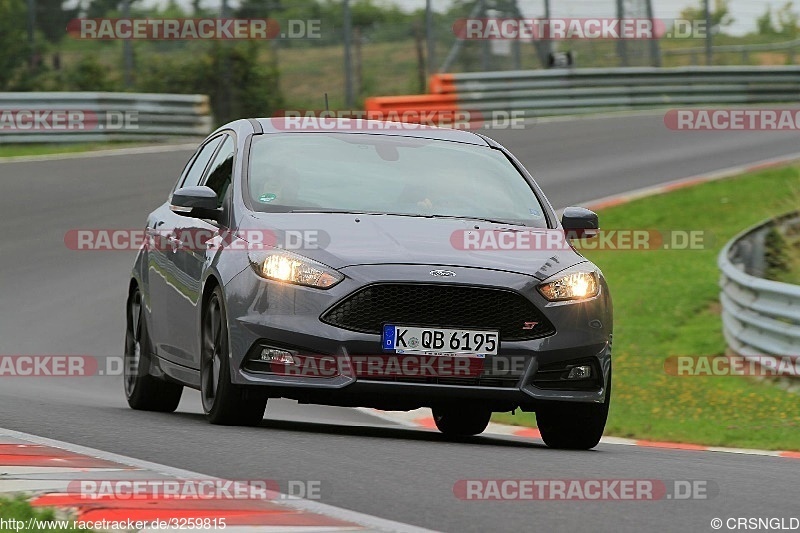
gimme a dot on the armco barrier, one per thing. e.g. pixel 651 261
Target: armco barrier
pixel 577 91
pixel 150 117
pixel 760 317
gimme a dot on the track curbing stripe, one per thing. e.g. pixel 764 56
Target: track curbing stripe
pixel 289 504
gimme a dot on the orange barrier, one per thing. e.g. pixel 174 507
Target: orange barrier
pixel 442 84
pixel 427 108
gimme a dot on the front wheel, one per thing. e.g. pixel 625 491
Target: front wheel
pixel 573 426
pixel 461 422
pixel 223 402
pixel 143 391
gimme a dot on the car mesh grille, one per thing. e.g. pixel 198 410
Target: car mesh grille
pixel 434 305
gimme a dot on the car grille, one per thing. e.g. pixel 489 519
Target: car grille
pixel 454 306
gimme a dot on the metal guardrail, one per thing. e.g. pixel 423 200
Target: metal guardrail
pixel 760 317
pixel 577 91
pixel 99 116
pixel 735 48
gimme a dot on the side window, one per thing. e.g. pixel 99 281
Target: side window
pixel 195 171
pixel 221 170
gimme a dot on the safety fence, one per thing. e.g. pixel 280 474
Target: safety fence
pixel 56 117
pixel 761 317
pixel 535 93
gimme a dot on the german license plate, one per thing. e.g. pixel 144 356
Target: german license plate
pixel 439 341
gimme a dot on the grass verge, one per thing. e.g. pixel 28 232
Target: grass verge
pixel 666 302
pixel 26 150
pixel 18 515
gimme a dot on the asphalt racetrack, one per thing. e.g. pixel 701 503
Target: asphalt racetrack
pixel 59 301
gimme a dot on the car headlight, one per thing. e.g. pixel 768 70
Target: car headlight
pixel 291 268
pixel 573 286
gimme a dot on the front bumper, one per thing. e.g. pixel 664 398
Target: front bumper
pixel 266 313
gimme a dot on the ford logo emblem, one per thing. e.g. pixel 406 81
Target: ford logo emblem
pixel 442 273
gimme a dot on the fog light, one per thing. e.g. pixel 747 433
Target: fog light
pixel 274 355
pixel 580 372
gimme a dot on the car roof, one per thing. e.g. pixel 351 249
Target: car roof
pixel 363 126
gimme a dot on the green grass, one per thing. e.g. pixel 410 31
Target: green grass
pixel 19 509
pixel 667 303
pixel 25 150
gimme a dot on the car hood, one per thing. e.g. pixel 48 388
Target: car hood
pixel 341 240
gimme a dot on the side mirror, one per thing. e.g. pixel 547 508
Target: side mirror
pixel 196 201
pixel 580 223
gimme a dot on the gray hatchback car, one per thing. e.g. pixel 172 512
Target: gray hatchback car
pixel 372 264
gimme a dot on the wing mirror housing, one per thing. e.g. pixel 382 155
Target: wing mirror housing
pixel 580 223
pixel 196 201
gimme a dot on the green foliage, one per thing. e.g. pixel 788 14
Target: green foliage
pixel 764 23
pixel 19 509
pixel 775 254
pixel 88 74
pixel 787 21
pixel 13 40
pixel 784 22
pixel 104 8
pixel 252 89
pixel 257 8
pixel 720 14
pixel 52 18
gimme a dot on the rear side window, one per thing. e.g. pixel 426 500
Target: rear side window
pixel 221 171
pixel 193 175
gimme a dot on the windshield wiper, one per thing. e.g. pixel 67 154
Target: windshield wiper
pixel 482 219
pixel 413 215
pixel 324 210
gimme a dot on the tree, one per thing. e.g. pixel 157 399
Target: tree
pixel 258 8
pixel 764 23
pixel 52 18
pixel 720 15
pixel 783 22
pixel 102 8
pixel 787 20
pixel 252 90
pixel 13 40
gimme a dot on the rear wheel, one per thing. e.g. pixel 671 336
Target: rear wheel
pixel 461 421
pixel 223 402
pixel 574 426
pixel 143 391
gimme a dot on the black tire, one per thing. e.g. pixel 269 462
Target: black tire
pixel 463 421
pixel 224 403
pixel 573 426
pixel 143 391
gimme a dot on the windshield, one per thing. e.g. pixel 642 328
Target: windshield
pixel 388 174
